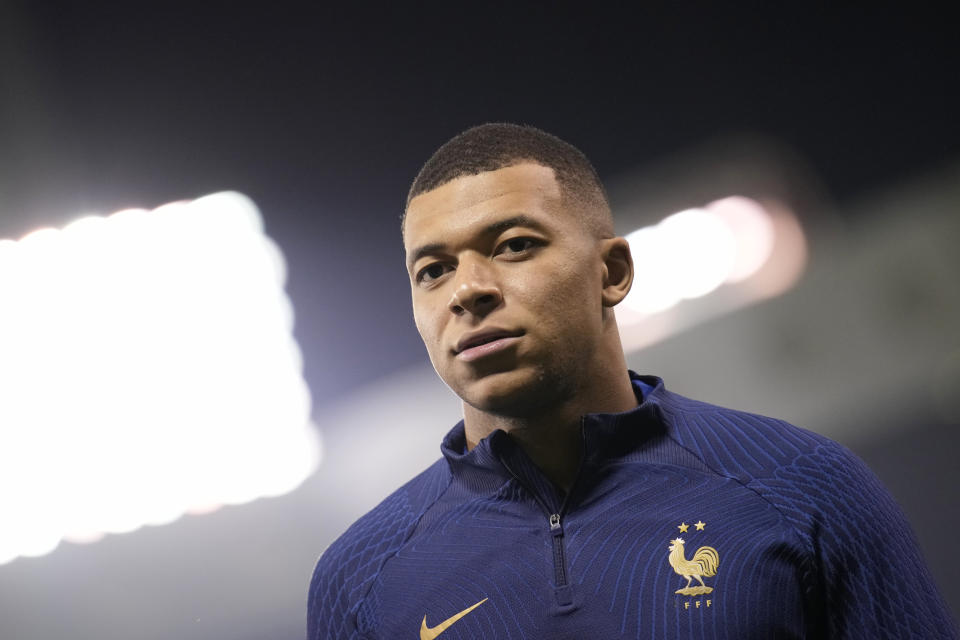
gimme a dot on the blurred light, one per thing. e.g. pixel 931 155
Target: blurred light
pixel 751 231
pixel 693 253
pixel 731 252
pixel 147 370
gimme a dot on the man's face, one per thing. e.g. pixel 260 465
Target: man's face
pixel 506 285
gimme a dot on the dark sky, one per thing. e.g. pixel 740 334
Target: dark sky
pixel 323 115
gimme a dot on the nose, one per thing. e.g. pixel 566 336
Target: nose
pixel 475 289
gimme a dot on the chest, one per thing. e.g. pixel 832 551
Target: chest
pixel 636 558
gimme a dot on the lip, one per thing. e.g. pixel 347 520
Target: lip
pixel 482 343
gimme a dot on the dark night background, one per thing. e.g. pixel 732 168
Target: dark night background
pixel 323 114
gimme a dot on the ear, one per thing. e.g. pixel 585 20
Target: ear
pixel 617 270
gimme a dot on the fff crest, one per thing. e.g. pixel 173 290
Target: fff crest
pixel 703 564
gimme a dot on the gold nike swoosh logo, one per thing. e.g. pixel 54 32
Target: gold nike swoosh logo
pixel 427 633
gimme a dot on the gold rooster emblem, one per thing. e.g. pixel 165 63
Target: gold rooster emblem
pixel 704 563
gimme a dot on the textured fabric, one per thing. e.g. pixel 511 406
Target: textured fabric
pixel 686 520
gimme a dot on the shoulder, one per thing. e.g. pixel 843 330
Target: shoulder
pixel 346 570
pixel 815 482
pixel 862 565
pixel 824 491
pixel 750 447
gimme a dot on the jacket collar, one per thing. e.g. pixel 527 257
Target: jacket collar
pixel 605 436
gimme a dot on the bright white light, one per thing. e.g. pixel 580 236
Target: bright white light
pixel 702 248
pixel 753 233
pixel 694 252
pixel 729 254
pixel 689 254
pixel 147 369
pixel 651 291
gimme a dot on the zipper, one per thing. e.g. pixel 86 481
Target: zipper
pixel 559 561
pixel 555 521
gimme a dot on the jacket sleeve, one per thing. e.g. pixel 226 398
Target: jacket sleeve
pixel 867 577
pixel 348 569
pixel 330 612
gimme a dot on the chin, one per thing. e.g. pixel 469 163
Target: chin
pixel 515 393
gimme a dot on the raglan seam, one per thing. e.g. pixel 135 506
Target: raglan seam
pixel 788 525
pixel 413 528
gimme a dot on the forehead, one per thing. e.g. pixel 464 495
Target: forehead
pixel 463 203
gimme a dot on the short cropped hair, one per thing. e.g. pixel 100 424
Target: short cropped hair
pixel 492 146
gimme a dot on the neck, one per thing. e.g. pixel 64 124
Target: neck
pixel 551 437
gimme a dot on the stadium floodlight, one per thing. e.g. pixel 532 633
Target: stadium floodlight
pixel 702 262
pixel 147 370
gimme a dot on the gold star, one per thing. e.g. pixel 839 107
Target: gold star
pixel 700 525
pixel 683 527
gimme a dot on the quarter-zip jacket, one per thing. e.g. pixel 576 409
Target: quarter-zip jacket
pixel 686 520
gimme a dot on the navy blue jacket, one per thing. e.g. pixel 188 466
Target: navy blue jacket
pixel 686 520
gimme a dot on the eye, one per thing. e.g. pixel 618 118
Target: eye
pixel 518 245
pixel 432 272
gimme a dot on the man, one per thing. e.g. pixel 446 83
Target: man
pixel 577 499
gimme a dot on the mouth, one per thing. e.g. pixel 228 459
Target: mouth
pixel 482 343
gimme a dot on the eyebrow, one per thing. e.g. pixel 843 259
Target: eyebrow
pixel 495 228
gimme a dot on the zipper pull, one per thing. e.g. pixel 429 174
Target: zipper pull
pixel 555 523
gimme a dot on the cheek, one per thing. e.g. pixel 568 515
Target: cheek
pixel 565 288
pixel 427 325
pixel 421 323
pixel 568 300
